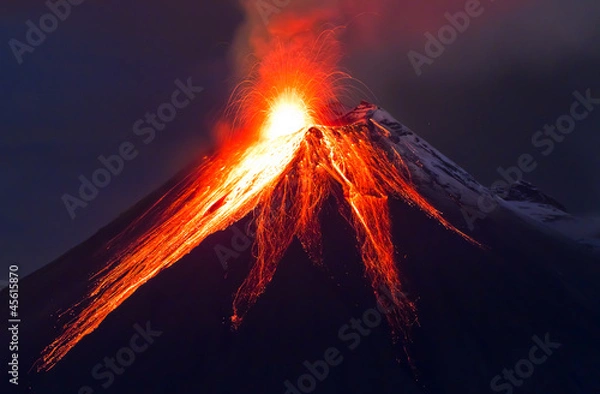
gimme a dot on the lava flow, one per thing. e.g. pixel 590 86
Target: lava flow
pixel 284 162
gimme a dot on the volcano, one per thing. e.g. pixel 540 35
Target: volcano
pixel 509 304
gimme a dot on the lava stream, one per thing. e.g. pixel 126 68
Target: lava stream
pixel 282 175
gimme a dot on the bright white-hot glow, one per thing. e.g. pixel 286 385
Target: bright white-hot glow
pixel 288 114
pixel 282 174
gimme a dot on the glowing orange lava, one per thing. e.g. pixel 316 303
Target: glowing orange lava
pixel 283 170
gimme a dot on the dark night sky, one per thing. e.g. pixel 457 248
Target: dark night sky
pixel 79 93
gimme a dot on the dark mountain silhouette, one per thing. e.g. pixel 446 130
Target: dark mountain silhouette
pixel 480 310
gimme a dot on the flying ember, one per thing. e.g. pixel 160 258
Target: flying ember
pixel 285 161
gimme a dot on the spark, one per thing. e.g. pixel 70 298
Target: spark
pixel 281 168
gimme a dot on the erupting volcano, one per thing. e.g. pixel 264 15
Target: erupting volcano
pixel 289 150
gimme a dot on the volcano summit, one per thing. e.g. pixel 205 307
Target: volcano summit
pixel 311 196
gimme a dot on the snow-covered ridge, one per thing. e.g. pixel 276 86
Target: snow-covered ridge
pixel 440 178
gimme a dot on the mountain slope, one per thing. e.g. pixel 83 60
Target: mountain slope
pixel 442 179
pixel 478 308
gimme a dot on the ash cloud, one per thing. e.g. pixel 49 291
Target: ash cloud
pixel 531 32
pixel 509 73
